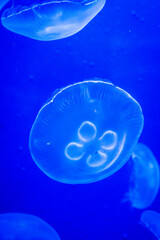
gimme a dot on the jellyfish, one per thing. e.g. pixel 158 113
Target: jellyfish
pixel 3 3
pixel 26 227
pixel 151 220
pixel 51 20
pixel 144 182
pixel 85 132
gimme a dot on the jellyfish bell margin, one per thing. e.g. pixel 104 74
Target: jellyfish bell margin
pixel 3 3
pixel 86 132
pixel 151 220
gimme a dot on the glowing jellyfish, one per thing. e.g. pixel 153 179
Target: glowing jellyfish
pixel 151 220
pixel 144 182
pixel 51 20
pixel 26 227
pixel 85 132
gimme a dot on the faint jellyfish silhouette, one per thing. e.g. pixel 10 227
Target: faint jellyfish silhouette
pixel 51 20
pixel 3 3
pixel 144 181
pixel 85 132
pixel 151 220
pixel 26 227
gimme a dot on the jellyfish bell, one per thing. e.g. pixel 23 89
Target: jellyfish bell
pixel 51 20
pixel 26 227
pixel 145 178
pixel 151 220
pixel 86 132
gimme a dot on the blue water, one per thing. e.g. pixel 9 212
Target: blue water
pixel 121 44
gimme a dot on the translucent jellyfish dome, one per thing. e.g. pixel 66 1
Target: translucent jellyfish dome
pixel 145 177
pixel 151 220
pixel 25 226
pixel 51 20
pixel 85 132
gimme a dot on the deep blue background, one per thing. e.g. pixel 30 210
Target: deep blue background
pixel 121 44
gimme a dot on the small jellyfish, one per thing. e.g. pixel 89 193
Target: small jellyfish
pixel 26 227
pixel 151 220
pixel 85 132
pixel 144 182
pixel 51 20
